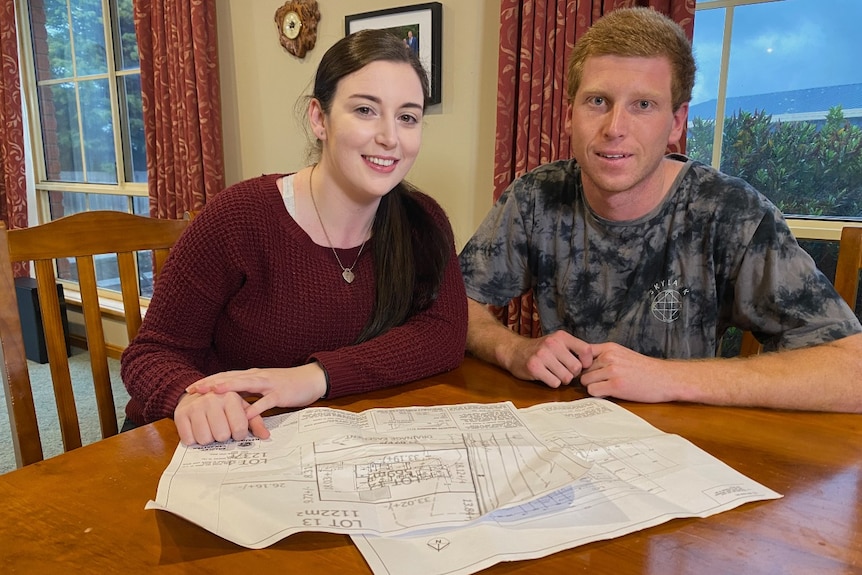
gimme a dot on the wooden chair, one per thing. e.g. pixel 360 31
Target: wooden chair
pixel 748 345
pixel 81 236
pixel 849 265
pixel 846 280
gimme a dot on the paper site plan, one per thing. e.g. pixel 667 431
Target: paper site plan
pixel 383 472
pixel 451 490
pixel 640 477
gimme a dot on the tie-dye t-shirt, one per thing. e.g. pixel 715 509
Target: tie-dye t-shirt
pixel 715 253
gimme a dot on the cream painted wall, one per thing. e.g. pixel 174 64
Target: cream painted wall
pixel 261 83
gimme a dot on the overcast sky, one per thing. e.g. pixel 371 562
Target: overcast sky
pixel 777 46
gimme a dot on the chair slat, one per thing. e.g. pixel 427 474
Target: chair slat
pixel 131 293
pixel 96 345
pixel 849 265
pixel 159 258
pixel 26 441
pixel 748 345
pixel 55 342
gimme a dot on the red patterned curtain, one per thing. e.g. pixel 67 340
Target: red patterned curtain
pixel 536 37
pixel 13 186
pixel 178 47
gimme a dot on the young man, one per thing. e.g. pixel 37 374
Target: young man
pixel 639 261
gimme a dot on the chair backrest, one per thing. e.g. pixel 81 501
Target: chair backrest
pixel 846 280
pixel 81 236
pixel 849 265
pixel 748 345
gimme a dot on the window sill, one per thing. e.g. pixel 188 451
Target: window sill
pixel 111 308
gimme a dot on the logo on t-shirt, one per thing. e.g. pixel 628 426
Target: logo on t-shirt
pixel 667 300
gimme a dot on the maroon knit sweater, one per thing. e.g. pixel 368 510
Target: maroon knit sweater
pixel 246 287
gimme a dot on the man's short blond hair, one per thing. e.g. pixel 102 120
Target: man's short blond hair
pixel 637 32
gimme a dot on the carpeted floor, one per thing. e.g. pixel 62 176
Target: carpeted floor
pixel 46 410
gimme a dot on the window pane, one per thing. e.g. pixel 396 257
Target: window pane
pixel 793 122
pixel 63 204
pixel 60 135
pixel 98 131
pixel 107 272
pixel 708 31
pixel 134 144
pixel 52 44
pixel 66 203
pixel 141 206
pixel 707 45
pixel 108 202
pixel 89 36
pixel 145 273
pixel 824 253
pixel 128 53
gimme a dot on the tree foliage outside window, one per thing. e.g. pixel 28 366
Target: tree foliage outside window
pixel 804 169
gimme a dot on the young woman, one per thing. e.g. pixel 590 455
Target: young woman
pixel 340 278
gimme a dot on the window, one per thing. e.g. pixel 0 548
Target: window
pixel 783 79
pixel 84 104
pixel 778 102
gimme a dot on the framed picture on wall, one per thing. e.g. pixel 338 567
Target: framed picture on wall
pixel 419 26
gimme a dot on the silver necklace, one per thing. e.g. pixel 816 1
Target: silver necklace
pixel 346 273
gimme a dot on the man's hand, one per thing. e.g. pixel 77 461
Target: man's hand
pixel 619 372
pixel 555 359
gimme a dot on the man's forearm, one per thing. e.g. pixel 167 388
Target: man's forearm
pixel 826 377
pixel 486 335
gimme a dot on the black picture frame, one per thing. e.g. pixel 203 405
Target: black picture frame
pixel 424 21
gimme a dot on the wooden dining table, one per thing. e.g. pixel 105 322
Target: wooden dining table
pixel 83 511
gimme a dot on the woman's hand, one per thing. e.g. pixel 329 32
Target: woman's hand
pixel 204 418
pixel 275 387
